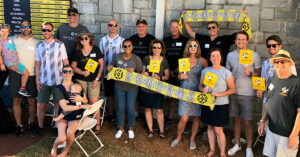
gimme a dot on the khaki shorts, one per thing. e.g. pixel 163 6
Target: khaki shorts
pixel 241 106
pixel 87 87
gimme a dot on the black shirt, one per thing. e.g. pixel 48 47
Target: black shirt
pixel 141 45
pixel 223 42
pixel 81 60
pixel 283 101
pixel 175 48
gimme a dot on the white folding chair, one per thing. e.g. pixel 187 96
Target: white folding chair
pixel 86 124
pixel 103 108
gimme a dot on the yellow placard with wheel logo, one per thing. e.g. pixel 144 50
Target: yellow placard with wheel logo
pixel 259 83
pixel 91 65
pixel 210 79
pixel 154 66
pixel 184 65
pixel 246 56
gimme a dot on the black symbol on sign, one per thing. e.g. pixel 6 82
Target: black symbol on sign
pixel 202 98
pixel 246 26
pixel 118 74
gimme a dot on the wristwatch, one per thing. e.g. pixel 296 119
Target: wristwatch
pixel 97 79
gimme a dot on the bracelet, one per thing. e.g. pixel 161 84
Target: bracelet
pixel 79 106
pixel 80 71
pixel 262 121
pixel 250 74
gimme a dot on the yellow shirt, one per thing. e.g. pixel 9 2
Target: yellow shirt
pixel 26 52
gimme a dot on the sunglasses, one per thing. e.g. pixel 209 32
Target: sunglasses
pixel 281 61
pixel 4 25
pixel 154 47
pixel 272 45
pixel 112 25
pixel 68 71
pixel 72 14
pixel 23 27
pixel 190 46
pixel 213 27
pixel 47 30
pixel 84 38
pixel 127 46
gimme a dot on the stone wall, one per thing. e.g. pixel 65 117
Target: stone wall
pixel 281 17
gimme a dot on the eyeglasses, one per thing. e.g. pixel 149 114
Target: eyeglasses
pixel 47 30
pixel 190 46
pixel 127 46
pixel 84 38
pixel 213 27
pixel 72 14
pixel 112 25
pixel 281 61
pixel 154 47
pixel 68 71
pixel 272 45
pixel 23 27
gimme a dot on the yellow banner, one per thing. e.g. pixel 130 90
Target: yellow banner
pixel 259 83
pixel 210 79
pixel 247 27
pixel 184 64
pixel 246 56
pixel 162 87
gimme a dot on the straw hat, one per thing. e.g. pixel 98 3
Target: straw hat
pixel 282 54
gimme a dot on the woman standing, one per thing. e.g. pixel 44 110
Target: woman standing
pixel 88 66
pixel 219 117
pixel 149 99
pixel 190 80
pixel 126 93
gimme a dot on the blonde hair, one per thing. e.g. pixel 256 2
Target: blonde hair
pixel 5 26
pixel 186 52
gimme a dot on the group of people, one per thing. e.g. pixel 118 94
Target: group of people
pixel 68 65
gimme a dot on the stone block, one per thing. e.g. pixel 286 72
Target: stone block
pixel 100 18
pixel 171 15
pixel 93 28
pixel 88 8
pixel 252 2
pixel 232 7
pixel 151 30
pixel 285 14
pixel 216 2
pixel 146 12
pixel 234 25
pixel 262 50
pixel 151 21
pixel 267 13
pixel 103 28
pixel 137 11
pixel 128 20
pixel 105 7
pixel 123 6
pixel 174 4
pixel 293 29
pixel 97 39
pixel 214 7
pixel 254 13
pixel 251 46
pixel 87 19
pixel 270 26
pixel 140 4
pixel 275 3
pixel 116 17
pixel 194 4
pixel 151 4
pixel 127 32
pixel 258 37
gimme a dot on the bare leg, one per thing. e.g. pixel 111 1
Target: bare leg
pixel 160 119
pixel 148 115
pixel 17 110
pixel 212 140
pixel 58 118
pixel 249 133
pixel 237 130
pixel 195 127
pixel 221 139
pixel 181 126
pixel 32 109
pixel 41 114
pixel 72 126
pixel 61 138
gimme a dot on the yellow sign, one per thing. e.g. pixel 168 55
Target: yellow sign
pixel 210 79
pixel 184 65
pixel 91 65
pixel 162 87
pixel 259 83
pixel 246 56
pixel 154 66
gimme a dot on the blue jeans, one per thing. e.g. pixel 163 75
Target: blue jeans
pixel 127 99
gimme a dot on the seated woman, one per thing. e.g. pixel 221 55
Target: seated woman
pixel 68 125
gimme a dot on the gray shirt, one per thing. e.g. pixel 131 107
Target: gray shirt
pixel 243 83
pixel 134 62
pixel 221 84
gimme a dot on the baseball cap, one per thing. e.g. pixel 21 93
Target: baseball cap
pixel 74 10
pixel 141 20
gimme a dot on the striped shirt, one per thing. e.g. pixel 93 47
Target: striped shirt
pixel 51 57
pixel 110 47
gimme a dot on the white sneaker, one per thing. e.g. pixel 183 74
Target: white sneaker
pixel 234 149
pixel 130 134
pixel 119 133
pixel 249 152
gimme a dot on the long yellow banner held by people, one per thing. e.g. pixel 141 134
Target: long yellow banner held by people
pixel 161 87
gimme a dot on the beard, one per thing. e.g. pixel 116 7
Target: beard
pixel 26 33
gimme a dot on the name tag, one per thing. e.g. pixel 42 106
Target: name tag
pixel 93 55
pixel 147 67
pixel 178 43
pixel 271 86
pixel 206 46
pixel 120 62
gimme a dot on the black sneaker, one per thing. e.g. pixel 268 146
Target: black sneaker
pixel 19 131
pixel 36 132
pixel 32 127
pixel 24 92
pixel 186 130
pixel 168 123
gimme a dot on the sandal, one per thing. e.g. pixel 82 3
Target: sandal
pixel 150 134
pixel 209 154
pixel 97 131
pixel 162 135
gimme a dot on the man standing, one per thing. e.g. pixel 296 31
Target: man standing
pixel 25 45
pixel 241 103
pixel 175 46
pixel 142 39
pixel 110 45
pixel 50 57
pixel 282 109
pixel 68 31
